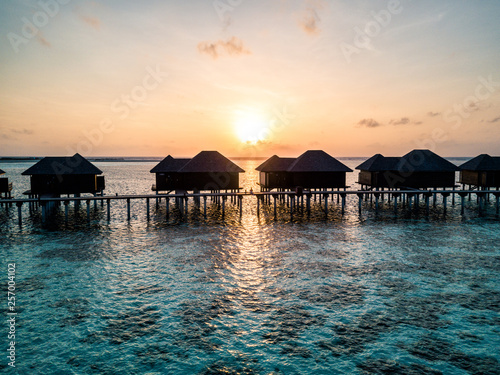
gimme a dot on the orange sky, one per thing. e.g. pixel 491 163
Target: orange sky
pixel 119 78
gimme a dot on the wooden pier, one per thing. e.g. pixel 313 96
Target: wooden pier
pixel 292 200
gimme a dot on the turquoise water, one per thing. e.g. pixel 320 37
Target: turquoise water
pixel 362 294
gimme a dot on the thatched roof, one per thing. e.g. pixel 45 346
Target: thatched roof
pixel 317 161
pixel 414 161
pixel 169 164
pixel 275 164
pixel 210 161
pixel 379 163
pixel 424 161
pixel 483 162
pixel 204 162
pixel 2 172
pixel 69 165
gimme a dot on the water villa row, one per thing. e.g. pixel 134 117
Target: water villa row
pixel 420 173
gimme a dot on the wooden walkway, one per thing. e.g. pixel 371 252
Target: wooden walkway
pixel 406 198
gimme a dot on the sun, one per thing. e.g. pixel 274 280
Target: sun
pixel 251 128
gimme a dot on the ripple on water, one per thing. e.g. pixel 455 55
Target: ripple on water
pixel 432 348
pixel 128 325
pixel 387 366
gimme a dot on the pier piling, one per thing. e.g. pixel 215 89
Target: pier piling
pixel 19 213
pixel 128 209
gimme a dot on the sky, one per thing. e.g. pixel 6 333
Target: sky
pixel 249 78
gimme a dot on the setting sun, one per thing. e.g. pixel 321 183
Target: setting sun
pixel 251 128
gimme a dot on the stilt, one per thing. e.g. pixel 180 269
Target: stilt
pixel 128 209
pixel 445 195
pixel 360 196
pixel 497 196
pixel 108 202
pixel 462 197
pixel 205 206
pixel 258 206
pixel 274 197
pixel 292 201
pixel 395 196
pixel 88 210
pixel 147 209
pixel 20 213
pixel 240 199
pixel 308 204
pixel 376 202
pixel 480 200
pixel 44 212
pixel 167 208
pixel 427 206
pixel 186 201
pixel 343 203
pixel 223 206
pixel 326 204
pixel 66 211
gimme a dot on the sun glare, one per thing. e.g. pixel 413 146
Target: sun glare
pixel 251 128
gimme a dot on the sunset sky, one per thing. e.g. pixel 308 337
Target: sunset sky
pixel 151 78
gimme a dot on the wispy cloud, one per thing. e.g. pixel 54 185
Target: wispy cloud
pixel 404 121
pixel 368 123
pixel 309 18
pixel 22 131
pixel 40 38
pixel 91 21
pixel 13 133
pixel 309 22
pixel 496 119
pixel 433 114
pixel 233 47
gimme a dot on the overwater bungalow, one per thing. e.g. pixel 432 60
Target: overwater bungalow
pixel 209 170
pixel 313 169
pixel 53 176
pixel 419 169
pixel 481 172
pixel 273 173
pixel 5 186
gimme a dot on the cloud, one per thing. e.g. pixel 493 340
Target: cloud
pixel 496 119
pixel 91 21
pixel 42 40
pixel 433 114
pixel 233 47
pixel 309 22
pixel 404 121
pixel 368 123
pixel 22 131
pixel 6 136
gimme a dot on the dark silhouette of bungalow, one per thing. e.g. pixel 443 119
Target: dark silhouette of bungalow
pixel 209 170
pixel 274 173
pixel 482 171
pixel 167 173
pixel 417 169
pixel 312 169
pixel 64 175
pixel 5 186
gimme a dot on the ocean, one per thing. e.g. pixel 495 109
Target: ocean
pixel 355 294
